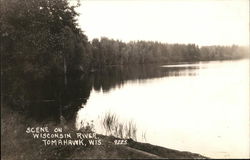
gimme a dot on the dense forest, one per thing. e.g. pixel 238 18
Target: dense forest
pixel 42 45
pixel 114 52
pixel 40 36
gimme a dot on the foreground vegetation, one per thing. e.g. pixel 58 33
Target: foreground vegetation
pixel 113 126
pixel 17 145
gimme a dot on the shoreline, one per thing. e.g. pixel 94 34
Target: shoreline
pixel 18 145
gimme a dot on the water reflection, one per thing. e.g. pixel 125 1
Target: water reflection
pixel 199 108
pixel 184 107
pixel 49 99
pixel 112 77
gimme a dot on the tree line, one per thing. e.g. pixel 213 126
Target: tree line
pixel 114 52
pixel 41 37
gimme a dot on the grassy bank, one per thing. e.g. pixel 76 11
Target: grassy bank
pixel 16 144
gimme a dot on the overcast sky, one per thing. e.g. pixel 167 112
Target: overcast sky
pixel 204 22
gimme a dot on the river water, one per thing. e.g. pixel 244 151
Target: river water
pixel 198 107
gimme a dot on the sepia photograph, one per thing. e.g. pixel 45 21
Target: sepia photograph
pixel 124 79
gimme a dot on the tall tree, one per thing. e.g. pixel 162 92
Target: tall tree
pixel 40 40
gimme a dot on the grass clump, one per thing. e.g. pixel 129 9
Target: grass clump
pixel 114 127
